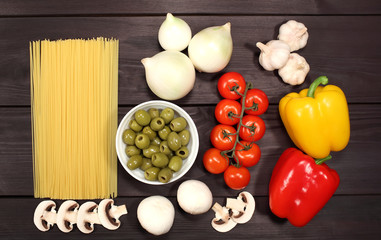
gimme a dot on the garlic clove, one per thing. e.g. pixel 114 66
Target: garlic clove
pixel 174 34
pixel 274 54
pixel 295 70
pixel 294 34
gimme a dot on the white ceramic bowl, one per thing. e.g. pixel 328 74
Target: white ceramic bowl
pixel 192 145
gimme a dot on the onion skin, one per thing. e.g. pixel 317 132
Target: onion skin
pixel 170 74
pixel 210 49
pixel 174 34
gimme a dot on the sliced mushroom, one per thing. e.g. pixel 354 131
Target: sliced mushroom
pixel 109 214
pixel 87 216
pixel 222 221
pixel 45 215
pixel 67 215
pixel 242 207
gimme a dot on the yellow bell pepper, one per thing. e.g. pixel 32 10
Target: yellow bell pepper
pixel 317 119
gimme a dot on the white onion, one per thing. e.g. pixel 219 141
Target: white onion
pixel 170 74
pixel 210 49
pixel 174 34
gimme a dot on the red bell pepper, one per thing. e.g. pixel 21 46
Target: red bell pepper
pixel 300 186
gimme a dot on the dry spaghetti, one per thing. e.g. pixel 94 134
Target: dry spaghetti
pixel 74 107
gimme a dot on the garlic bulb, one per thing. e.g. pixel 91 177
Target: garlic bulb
pixel 295 70
pixel 170 74
pixel 174 34
pixel 274 54
pixel 211 49
pixel 294 34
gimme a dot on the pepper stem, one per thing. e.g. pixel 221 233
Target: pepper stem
pixel 321 160
pixel 320 80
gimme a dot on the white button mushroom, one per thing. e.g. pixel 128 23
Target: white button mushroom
pixel 109 214
pixel 274 54
pixel 222 221
pixel 194 197
pixel 87 217
pixel 156 214
pixel 242 207
pixel 67 215
pixel 295 70
pixel 45 215
pixel 294 34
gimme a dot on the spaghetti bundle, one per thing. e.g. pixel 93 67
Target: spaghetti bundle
pixel 74 111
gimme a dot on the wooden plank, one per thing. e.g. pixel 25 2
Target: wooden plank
pixel 333 50
pixel 358 165
pixel 343 217
pixel 113 7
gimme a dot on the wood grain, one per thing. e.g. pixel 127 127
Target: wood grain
pixel 343 217
pixel 199 7
pixel 348 64
pixel 358 165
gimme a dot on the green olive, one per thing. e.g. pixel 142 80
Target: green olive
pixel 170 154
pixel 134 125
pixel 146 164
pixel 165 175
pixel 156 141
pixel 160 160
pixel 149 132
pixel 142 117
pixel 183 152
pixel 142 141
pixel 157 124
pixel 167 114
pixel 164 148
pixel 129 136
pixel 132 150
pixel 163 133
pixel 185 137
pixel 175 163
pixel 134 162
pixel 151 150
pixel 153 112
pixel 178 124
pixel 151 173
pixel 174 141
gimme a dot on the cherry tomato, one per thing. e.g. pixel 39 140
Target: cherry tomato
pixel 228 111
pixel 214 162
pixel 223 137
pixel 257 100
pixel 228 82
pixel 249 155
pixel 237 178
pixel 253 128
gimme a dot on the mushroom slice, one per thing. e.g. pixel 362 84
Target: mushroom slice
pixel 67 215
pixel 109 214
pixel 242 207
pixel 45 215
pixel 222 221
pixel 87 216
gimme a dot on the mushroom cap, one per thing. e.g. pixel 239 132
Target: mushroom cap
pixel 87 216
pixel 156 214
pixel 245 214
pixel 67 215
pixel 222 222
pixel 42 223
pixel 109 214
pixel 194 197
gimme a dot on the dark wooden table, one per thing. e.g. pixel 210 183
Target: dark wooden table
pixel 344 44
